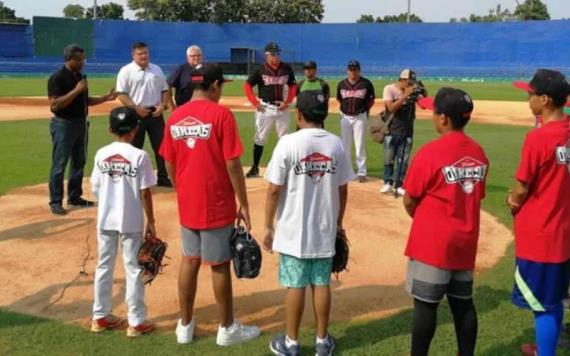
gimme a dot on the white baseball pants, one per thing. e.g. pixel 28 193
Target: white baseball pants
pixel 108 242
pixel 354 128
pixel 264 121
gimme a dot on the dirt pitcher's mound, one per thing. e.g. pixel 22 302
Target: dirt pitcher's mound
pixel 43 255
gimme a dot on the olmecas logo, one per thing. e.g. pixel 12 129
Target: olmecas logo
pixel 315 165
pixel 117 166
pixel 563 155
pixel 190 129
pixel 467 172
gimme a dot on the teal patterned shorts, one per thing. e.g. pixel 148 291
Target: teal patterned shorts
pixel 298 273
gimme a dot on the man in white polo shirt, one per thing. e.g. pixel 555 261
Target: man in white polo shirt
pixel 142 85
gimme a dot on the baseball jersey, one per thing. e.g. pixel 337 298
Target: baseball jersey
pixel 311 164
pixel 447 176
pixel 143 85
pixel 199 137
pixel 542 225
pixel 355 98
pixel 272 83
pixel 120 172
pixel 404 117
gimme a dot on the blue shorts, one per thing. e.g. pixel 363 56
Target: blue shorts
pixel 540 287
pixel 302 272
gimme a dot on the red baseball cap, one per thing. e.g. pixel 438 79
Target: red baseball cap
pixel 449 101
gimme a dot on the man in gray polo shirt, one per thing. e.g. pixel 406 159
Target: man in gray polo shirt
pixel 142 85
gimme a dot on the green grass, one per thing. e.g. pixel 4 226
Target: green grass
pixel 36 86
pixel 502 327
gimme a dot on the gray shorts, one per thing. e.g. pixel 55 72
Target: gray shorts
pixel 430 284
pixel 210 246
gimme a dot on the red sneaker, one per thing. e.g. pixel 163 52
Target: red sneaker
pixel 528 349
pixel 108 322
pixel 144 328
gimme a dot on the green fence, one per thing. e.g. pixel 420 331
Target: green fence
pixel 51 35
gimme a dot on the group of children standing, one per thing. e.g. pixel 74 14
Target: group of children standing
pixel 308 176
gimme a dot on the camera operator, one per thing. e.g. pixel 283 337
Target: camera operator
pixel 400 99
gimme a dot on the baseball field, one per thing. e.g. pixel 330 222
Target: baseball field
pixel 45 304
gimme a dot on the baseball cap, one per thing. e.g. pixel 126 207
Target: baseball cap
pixel 208 73
pixel 449 101
pixel 310 65
pixel 546 82
pixel 353 63
pixel 123 120
pixel 312 102
pixel 272 48
pixel 408 74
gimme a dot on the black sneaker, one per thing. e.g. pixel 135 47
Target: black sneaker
pixel 57 209
pixel 253 172
pixel 164 182
pixel 80 203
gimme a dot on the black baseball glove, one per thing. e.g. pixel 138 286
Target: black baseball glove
pixel 150 257
pixel 340 259
pixel 246 254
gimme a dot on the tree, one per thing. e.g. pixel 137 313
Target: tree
pixel 365 18
pixel 8 15
pixel 403 17
pixel 236 11
pixel 532 10
pixel 75 11
pixel 110 11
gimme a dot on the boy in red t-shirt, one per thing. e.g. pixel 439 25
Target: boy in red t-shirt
pixel 540 203
pixel 202 150
pixel 444 188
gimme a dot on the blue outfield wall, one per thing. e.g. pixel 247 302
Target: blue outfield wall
pixel 513 49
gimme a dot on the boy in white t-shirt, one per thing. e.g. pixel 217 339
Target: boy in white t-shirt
pixel 121 180
pixel 308 176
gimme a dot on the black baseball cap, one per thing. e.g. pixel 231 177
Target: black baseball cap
pixel 123 120
pixel 353 64
pixel 313 102
pixel 272 48
pixel 208 73
pixel 310 65
pixel 449 101
pixel 546 82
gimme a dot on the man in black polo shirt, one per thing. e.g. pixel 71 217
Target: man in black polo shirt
pixel 69 98
pixel 181 78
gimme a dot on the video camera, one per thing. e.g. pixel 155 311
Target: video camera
pixel 419 89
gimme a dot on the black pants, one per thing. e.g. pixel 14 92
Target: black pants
pixel 155 128
pixel 69 143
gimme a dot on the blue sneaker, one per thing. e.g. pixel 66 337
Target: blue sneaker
pixel 325 348
pixel 279 347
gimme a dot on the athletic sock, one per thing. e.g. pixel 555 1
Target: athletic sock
pixel 321 341
pixel 289 342
pixel 257 153
pixel 425 318
pixel 466 325
pixel 547 327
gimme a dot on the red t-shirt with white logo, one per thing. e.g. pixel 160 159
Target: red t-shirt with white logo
pixel 542 225
pixel 199 137
pixel 447 176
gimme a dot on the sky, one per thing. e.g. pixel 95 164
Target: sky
pixel 336 11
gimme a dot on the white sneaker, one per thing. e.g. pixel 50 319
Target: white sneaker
pixel 386 188
pixel 185 334
pixel 400 191
pixel 236 333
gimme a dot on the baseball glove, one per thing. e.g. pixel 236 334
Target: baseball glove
pixel 246 254
pixel 340 259
pixel 150 257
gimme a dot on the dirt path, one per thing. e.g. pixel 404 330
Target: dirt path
pixel 494 112
pixel 42 253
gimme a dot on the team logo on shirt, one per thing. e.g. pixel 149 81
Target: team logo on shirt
pixel 563 155
pixel 274 80
pixel 359 93
pixel 190 129
pixel 117 166
pixel 315 165
pixel 467 172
